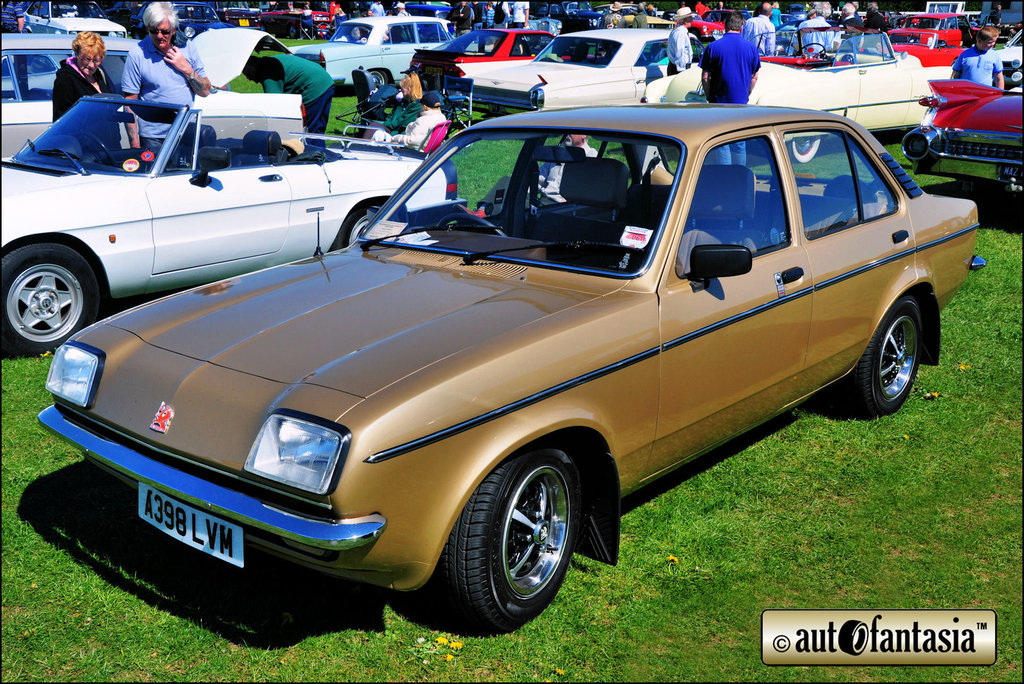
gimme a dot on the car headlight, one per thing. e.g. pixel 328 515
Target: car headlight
pixel 190 32
pixel 75 373
pixel 294 450
pixel 595 22
pixel 716 34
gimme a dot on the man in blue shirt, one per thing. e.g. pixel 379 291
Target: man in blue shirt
pixel 157 71
pixel 14 17
pixel 980 63
pixel 730 65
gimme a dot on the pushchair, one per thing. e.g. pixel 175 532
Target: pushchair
pixel 372 99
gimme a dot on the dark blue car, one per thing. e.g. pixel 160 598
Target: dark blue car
pixel 193 19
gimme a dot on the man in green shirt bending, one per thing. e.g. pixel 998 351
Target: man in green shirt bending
pixel 291 74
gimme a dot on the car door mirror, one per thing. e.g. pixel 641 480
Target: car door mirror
pixel 210 159
pixel 718 261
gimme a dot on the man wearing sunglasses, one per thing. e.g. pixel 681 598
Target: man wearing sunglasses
pixel 158 71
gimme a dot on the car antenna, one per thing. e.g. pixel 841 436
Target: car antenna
pixel 316 210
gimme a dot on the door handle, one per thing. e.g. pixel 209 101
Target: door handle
pixel 899 236
pixel 792 274
pixel 272 178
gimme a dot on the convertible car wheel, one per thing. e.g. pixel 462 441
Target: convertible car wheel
pixel 351 227
pixel 508 553
pixel 50 293
pixel 885 373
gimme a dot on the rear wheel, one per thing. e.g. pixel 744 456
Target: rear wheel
pixel 50 293
pixel 885 373
pixel 382 76
pixel 508 553
pixel 351 227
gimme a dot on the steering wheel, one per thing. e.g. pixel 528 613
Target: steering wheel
pixel 94 144
pixel 813 49
pixel 456 218
pixel 845 58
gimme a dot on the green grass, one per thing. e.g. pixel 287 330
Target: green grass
pixel 917 510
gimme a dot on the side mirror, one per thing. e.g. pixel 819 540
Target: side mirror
pixel 210 159
pixel 718 261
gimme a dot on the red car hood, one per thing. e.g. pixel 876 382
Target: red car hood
pixel 970 106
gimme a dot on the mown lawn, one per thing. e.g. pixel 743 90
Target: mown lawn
pixel 917 510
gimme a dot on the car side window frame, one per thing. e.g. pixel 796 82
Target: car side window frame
pixel 859 185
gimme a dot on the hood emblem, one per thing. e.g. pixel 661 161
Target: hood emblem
pixel 162 420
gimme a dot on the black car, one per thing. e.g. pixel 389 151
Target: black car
pixel 575 16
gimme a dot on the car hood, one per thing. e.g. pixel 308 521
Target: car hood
pixel 225 51
pixel 347 321
pixel 77 24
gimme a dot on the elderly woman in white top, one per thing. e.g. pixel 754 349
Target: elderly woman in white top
pixel 418 132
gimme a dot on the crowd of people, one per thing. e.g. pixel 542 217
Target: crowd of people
pixel 159 68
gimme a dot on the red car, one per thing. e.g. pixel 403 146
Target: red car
pixel 477 52
pixel 707 31
pixel 935 39
pixel 288 24
pixel 970 132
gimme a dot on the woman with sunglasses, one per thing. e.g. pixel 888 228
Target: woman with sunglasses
pixel 159 71
pixel 80 74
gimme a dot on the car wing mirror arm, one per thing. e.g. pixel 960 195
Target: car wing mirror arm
pixel 210 159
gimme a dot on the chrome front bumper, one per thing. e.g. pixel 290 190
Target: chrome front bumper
pixel 218 500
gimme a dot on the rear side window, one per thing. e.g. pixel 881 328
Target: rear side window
pixel 654 52
pixel 430 32
pixel 837 186
pixel 400 34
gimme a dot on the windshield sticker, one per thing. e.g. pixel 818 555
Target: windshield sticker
pixel 147 156
pixel 634 236
pixel 384 229
pixel 130 165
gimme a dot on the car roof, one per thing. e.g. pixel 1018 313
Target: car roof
pixel 630 37
pixel 380 21
pixel 692 123
pixel 34 41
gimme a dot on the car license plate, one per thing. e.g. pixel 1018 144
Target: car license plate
pixel 1010 171
pixel 187 524
pixel 432 70
pixel 243 22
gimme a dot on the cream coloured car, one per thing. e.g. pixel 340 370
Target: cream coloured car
pixel 863 79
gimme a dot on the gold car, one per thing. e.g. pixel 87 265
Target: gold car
pixel 556 309
pixel 629 12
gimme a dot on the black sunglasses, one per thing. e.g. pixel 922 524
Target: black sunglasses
pixel 162 32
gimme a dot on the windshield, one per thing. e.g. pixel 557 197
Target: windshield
pixel 476 43
pixel 594 52
pixel 92 138
pixel 922 22
pixel 82 10
pixel 912 38
pixel 352 33
pixel 196 13
pixel 571 200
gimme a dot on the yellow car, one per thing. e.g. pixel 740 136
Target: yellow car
pixel 554 310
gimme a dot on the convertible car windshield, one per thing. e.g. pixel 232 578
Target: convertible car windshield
pixel 583 51
pixel 577 200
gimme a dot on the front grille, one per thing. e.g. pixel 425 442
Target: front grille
pixel 963 148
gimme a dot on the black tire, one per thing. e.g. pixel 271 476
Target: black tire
pixel 885 374
pixel 508 553
pixel 383 76
pixel 49 293
pixel 351 227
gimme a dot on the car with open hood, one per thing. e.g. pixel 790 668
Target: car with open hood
pixel 381 45
pixel 556 309
pixel 607 66
pixel 69 18
pixel 864 78
pixel 222 196
pixel 970 132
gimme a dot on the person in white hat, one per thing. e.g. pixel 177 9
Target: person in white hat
pixel 613 19
pixel 680 52
pixel 400 10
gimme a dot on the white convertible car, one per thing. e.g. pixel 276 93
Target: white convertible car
pixel 606 66
pixel 864 80
pixel 86 217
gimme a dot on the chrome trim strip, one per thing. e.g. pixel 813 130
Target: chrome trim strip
pixel 509 408
pixel 235 506
pixel 665 346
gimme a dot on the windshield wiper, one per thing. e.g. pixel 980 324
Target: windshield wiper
pixel 57 152
pixel 569 244
pixel 454 225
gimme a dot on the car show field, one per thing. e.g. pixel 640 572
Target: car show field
pixel 577 397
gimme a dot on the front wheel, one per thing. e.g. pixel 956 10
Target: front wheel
pixel 50 293
pixel 885 373
pixel 351 227
pixel 508 553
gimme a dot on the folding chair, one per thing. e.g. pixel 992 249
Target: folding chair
pixel 437 136
pixel 459 93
